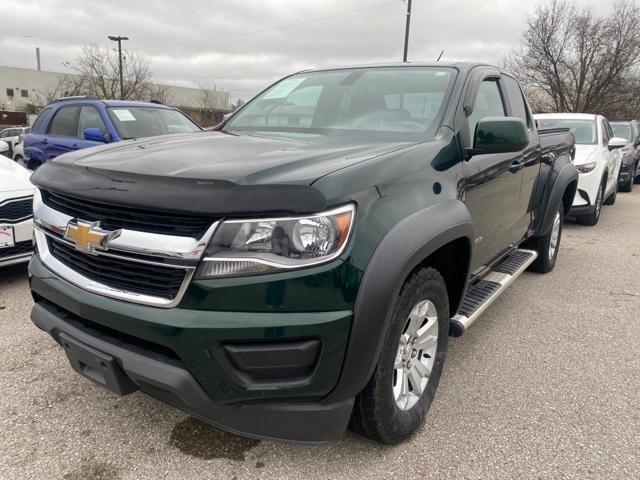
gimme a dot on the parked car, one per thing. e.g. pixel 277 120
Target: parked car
pixel 629 130
pixel 74 123
pixel 598 160
pixel 305 263
pixel 12 135
pixel 16 211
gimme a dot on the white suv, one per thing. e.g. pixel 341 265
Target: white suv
pixel 598 159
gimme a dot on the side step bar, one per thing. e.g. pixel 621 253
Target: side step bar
pixel 487 290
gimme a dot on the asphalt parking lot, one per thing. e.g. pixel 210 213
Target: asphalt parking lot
pixel 545 385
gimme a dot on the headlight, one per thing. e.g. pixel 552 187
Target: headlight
pixel 249 247
pixel 586 168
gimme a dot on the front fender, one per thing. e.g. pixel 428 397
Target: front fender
pixel 405 246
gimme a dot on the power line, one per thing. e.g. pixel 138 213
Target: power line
pixel 279 27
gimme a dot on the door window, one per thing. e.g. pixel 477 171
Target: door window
pixel 488 103
pixel 65 122
pixel 39 123
pixel 90 118
pixel 516 101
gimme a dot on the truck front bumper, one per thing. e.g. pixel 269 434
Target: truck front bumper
pixel 203 362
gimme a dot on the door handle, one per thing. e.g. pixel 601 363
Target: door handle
pixel 45 141
pixel 516 166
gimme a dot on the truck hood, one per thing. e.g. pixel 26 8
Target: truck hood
pixel 13 177
pixel 212 172
pixel 586 154
pixel 244 160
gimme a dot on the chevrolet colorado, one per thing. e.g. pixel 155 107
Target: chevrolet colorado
pixel 301 267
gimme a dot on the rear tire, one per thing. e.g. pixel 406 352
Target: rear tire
pixel 391 407
pixel 548 245
pixel 592 219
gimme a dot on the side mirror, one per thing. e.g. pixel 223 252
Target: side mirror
pixel 617 142
pixel 94 135
pixel 4 146
pixel 500 135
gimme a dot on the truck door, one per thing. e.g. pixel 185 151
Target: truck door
pixel 531 158
pixel 491 181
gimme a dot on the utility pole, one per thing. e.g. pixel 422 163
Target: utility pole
pixel 119 40
pixel 406 32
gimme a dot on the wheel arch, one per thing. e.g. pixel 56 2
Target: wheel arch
pixel 563 189
pixel 432 237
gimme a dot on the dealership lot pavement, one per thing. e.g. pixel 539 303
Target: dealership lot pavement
pixel 545 385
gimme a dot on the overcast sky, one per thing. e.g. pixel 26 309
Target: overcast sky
pixel 243 45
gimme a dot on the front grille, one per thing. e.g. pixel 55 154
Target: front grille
pixel 114 217
pixel 120 273
pixel 17 249
pixel 15 210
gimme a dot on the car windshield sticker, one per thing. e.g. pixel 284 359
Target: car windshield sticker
pixel 124 115
pixel 285 87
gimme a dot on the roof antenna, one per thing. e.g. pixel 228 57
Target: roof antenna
pixel 440 56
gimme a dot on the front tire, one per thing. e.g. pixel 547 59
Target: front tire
pixel 628 186
pixel 592 219
pixel 548 245
pixel 395 401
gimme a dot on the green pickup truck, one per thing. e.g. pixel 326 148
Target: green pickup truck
pixel 299 269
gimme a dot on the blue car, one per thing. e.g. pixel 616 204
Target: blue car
pixel 73 123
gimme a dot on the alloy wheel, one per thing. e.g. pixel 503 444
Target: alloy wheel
pixel 416 355
pixel 555 235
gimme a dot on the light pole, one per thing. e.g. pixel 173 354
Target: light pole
pixel 406 32
pixel 119 40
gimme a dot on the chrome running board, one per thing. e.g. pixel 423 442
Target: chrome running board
pixel 487 290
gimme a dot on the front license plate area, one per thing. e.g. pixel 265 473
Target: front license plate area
pixel 96 366
pixel 7 238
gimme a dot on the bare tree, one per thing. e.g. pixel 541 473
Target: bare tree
pixel 239 102
pixel 571 60
pixel 160 93
pixel 210 108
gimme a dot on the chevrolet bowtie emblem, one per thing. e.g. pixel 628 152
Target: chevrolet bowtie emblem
pixel 87 237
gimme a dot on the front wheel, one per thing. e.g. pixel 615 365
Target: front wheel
pixel 592 218
pixel 628 186
pixel 393 404
pixel 548 245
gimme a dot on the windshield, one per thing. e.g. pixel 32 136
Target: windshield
pixel 138 122
pixel 622 130
pixel 583 130
pixel 394 100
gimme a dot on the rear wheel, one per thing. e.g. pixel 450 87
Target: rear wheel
pixel 592 218
pixel 548 245
pixel 393 404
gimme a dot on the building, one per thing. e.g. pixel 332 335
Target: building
pixel 22 94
